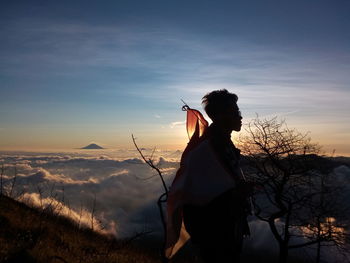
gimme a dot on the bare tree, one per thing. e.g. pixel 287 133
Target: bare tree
pixel 286 164
pixel 326 216
pixel 162 198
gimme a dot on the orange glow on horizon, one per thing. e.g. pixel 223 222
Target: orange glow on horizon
pixel 328 228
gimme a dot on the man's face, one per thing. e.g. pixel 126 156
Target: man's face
pixel 231 118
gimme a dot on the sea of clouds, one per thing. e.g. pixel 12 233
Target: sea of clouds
pixel 116 186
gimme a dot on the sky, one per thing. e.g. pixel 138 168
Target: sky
pixel 76 72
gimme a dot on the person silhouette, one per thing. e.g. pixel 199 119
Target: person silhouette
pixel 209 197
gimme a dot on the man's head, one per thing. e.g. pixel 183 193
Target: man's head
pixel 221 107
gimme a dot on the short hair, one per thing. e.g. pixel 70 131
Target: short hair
pixel 218 101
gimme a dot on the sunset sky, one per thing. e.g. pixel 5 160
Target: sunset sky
pixel 76 72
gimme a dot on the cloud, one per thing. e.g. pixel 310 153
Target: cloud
pixel 82 217
pixel 177 123
pixel 192 61
pixel 342 173
pixel 126 190
pixel 270 81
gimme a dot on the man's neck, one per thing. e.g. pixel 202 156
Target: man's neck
pixel 222 130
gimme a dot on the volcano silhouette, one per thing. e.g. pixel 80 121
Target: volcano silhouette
pixel 92 146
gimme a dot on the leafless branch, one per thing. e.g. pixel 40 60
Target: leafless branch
pixel 150 163
pixel 288 167
pixel 163 198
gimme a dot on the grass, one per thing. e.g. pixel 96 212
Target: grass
pixel 30 234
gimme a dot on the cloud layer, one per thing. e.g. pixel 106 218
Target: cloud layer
pixel 122 191
pixel 125 190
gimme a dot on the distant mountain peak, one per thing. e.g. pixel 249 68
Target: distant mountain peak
pixel 92 146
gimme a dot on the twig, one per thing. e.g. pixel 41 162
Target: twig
pixel 162 199
pixel 13 182
pixel 151 164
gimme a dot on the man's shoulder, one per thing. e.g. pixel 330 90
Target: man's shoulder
pixel 200 149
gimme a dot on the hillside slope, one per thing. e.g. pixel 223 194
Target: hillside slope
pixel 30 235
